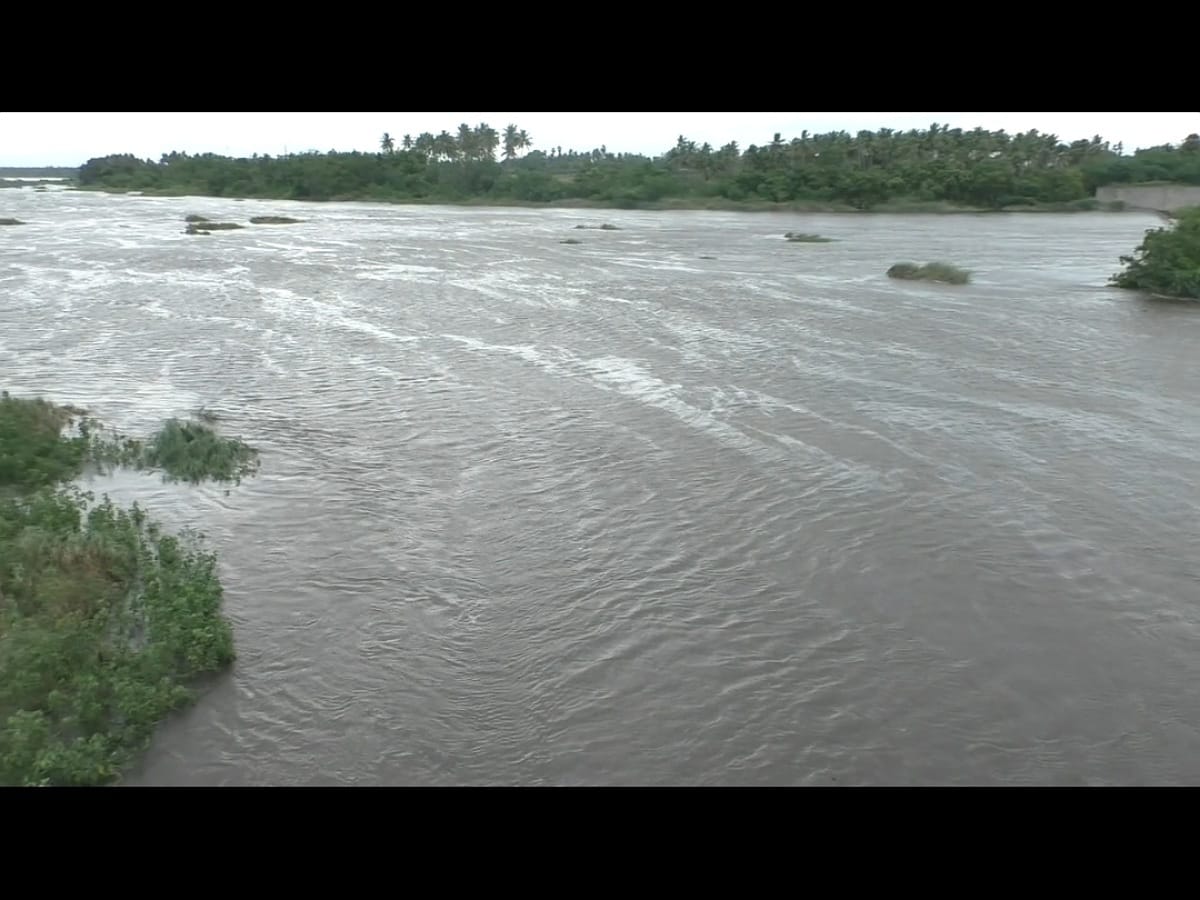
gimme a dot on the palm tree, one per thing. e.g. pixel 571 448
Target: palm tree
pixel 510 142
pixel 524 141
pixel 466 141
pixel 486 142
pixel 407 143
pixel 426 144
pixel 445 147
pixel 387 144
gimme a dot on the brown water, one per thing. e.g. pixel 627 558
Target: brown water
pixel 615 514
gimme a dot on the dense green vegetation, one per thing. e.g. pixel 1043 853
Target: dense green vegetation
pixel 33 450
pixel 934 271
pixel 194 452
pixel 936 168
pixel 1167 261
pixel 104 620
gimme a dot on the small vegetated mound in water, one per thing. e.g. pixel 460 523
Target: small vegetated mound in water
pixel 942 273
pixel 194 452
pixel 195 218
pixel 604 227
pixel 201 225
pixel 797 237
pixel 1167 262
pixel 571 241
pixel 274 220
pixel 104 620
pixel 11 222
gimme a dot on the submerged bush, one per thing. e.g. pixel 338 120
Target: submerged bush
pixel 274 220
pixel 797 237
pixel 1167 261
pixel 11 222
pixel 194 452
pixel 207 227
pixel 935 271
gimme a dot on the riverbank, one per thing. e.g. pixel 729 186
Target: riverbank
pixel 106 622
pixel 711 204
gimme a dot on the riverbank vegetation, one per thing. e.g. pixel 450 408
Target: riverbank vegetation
pixel 938 168
pixel 1167 261
pixel 944 273
pixel 105 621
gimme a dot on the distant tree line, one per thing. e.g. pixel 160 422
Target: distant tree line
pixel 38 171
pixel 978 168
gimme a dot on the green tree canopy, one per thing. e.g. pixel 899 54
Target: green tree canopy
pixel 1167 261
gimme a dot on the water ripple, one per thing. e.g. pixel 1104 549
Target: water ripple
pixel 534 514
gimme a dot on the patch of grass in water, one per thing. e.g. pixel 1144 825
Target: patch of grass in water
pixel 571 241
pixel 274 220
pixel 207 227
pixel 943 273
pixel 797 237
pixel 11 222
pixel 194 452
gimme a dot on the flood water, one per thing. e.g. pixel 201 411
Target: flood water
pixel 615 513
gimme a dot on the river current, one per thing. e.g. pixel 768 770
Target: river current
pixel 684 503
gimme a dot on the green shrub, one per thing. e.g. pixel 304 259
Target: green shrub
pixel 194 452
pixel 103 623
pixel 1167 261
pixel 33 451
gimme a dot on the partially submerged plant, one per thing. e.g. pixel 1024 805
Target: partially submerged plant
pixel 207 227
pixel 194 452
pixel 943 273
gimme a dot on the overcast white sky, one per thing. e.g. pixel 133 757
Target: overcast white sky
pixel 70 139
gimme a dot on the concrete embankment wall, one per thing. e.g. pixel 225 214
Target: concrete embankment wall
pixel 1162 197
